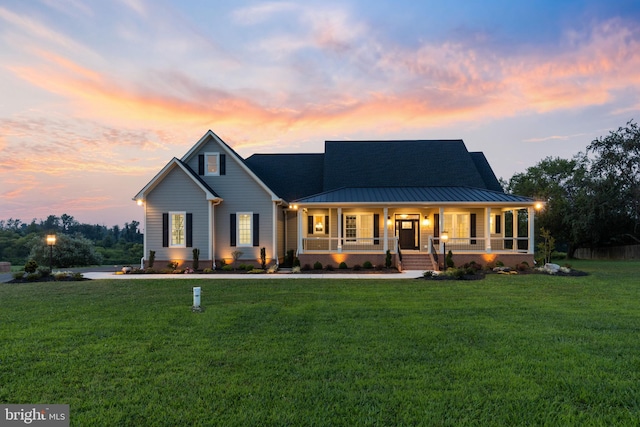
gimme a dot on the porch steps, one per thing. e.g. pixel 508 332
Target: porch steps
pixel 422 262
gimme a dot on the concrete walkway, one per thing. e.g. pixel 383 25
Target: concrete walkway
pixel 412 274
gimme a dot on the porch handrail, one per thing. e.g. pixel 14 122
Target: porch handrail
pixel 334 244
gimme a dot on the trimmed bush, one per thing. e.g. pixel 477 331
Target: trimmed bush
pixel 367 265
pixel 357 267
pixel 317 265
pixel 329 267
pixel 343 266
pixel 31 266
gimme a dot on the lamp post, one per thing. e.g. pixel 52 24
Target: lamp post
pixel 51 241
pixel 444 236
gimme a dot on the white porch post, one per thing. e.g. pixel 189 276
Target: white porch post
pixel 299 213
pixel 274 232
pixel 442 230
pixel 531 218
pixel 487 233
pixel 514 220
pixel 385 213
pixel 339 229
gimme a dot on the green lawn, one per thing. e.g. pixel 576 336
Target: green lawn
pixel 507 350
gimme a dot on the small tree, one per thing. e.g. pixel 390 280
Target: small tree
pixel 547 246
pixel 387 261
pixel 448 261
pixel 196 258
pixel 236 255
pixel 263 258
pixel 152 258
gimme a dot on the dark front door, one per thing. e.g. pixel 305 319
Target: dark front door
pixel 407 230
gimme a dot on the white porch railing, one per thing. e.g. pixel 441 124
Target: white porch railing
pixel 478 244
pixel 334 244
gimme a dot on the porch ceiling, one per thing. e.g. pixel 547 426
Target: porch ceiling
pixel 414 195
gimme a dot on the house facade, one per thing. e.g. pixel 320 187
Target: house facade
pixel 358 201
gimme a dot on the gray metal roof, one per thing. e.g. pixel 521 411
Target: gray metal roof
pixel 413 195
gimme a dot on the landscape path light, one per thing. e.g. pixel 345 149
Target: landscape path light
pixel 51 241
pixel 444 236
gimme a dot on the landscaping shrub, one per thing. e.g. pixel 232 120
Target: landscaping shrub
pixel 152 258
pixel 31 266
pixel 18 275
pixel 44 271
pixel 227 268
pixel 305 267
pixel 387 260
pixel 32 277
pixel 207 271
pixel 329 267
pixel 196 258
pixel 317 265
pixel 357 267
pixel 263 258
pixel 449 260
pixel 343 266
pixel 379 267
pixel 367 265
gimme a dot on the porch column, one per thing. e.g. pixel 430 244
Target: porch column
pixel 339 229
pixel 487 232
pixel 442 230
pixel 299 213
pixel 514 220
pixel 531 219
pixel 274 232
pixel 385 213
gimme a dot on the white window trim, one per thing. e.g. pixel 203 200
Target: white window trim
pixel 206 164
pixel 454 221
pixel 184 229
pixel 238 238
pixel 359 228
pixel 319 219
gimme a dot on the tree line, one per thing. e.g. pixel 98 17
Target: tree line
pixel 592 199
pixel 76 243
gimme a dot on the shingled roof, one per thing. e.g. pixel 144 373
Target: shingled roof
pixel 290 176
pixel 434 170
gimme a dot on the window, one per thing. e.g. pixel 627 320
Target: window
pixel 457 224
pixel 213 163
pixel 359 226
pixel 244 229
pixel 177 225
pixel 319 227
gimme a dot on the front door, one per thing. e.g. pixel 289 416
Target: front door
pixel 408 231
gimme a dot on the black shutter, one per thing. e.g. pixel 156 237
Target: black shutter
pixel 232 230
pixel 256 229
pixel 310 224
pixel 498 224
pixel 376 228
pixel 189 230
pixel 223 164
pixel 326 224
pixel 165 230
pixel 436 228
pixel 200 164
pixel 473 228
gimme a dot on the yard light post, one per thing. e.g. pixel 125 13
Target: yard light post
pixel 444 236
pixel 51 241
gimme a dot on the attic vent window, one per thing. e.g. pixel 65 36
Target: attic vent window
pixel 213 163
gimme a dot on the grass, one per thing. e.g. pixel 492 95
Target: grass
pixel 507 350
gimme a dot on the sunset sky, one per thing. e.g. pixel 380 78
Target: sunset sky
pixel 97 96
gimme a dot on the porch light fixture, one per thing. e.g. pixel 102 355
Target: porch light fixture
pixel 140 202
pixel 538 206
pixel 425 221
pixel 294 207
pixel 389 221
pixel 51 241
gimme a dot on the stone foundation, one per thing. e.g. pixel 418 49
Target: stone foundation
pixel 509 260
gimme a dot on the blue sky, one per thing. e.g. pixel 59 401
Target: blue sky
pixel 97 96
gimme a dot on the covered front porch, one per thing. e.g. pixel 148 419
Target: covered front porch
pixel 367 231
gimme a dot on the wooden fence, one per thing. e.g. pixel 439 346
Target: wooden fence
pixel 613 252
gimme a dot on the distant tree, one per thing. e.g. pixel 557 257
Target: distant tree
pixel 52 223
